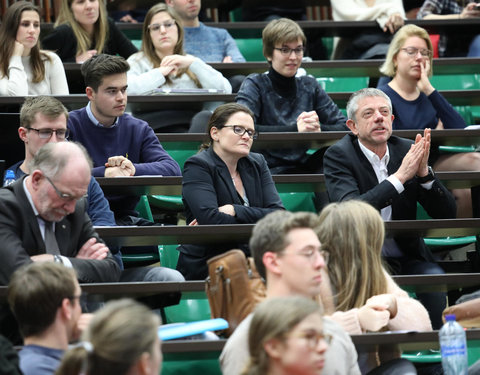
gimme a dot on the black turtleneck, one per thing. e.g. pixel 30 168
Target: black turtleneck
pixel 284 86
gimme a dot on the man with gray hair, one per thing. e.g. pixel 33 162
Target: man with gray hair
pixel 392 174
pixel 42 217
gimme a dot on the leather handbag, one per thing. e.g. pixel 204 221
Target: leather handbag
pixel 234 287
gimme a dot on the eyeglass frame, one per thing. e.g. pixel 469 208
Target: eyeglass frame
pixel 313 342
pixel 64 196
pixel 252 134
pixel 309 254
pixel 67 132
pixel 167 25
pixel 417 50
pixel 299 51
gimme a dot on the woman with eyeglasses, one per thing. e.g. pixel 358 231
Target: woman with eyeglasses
pixel 162 61
pixel 83 29
pixel 225 183
pixel 357 292
pixel 417 105
pixel 25 69
pixel 286 338
pixel 281 101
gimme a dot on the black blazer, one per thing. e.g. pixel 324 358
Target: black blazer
pixel 62 41
pixel 349 175
pixel 207 185
pixel 20 238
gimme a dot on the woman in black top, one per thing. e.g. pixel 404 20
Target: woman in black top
pixel 83 30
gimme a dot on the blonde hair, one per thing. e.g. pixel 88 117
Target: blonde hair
pixel 274 319
pixel 115 340
pixel 84 41
pixel 353 233
pixel 147 45
pixel 8 35
pixel 388 67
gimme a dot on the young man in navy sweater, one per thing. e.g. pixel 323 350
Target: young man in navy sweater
pixel 118 143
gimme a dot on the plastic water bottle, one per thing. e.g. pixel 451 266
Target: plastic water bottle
pixel 9 177
pixel 453 344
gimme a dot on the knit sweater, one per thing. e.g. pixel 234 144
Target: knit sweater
pixel 19 80
pixel 143 77
pixel 130 137
pixel 211 44
pixel 276 101
pixel 423 112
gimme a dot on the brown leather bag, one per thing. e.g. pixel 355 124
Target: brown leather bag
pixel 234 287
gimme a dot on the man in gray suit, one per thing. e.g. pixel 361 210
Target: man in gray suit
pixel 43 219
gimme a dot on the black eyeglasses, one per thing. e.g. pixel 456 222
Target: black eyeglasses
pixel 285 51
pixel 413 51
pixel 47 133
pixel 240 130
pixel 65 196
pixel 157 26
pixel 313 338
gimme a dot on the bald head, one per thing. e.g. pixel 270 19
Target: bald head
pixel 60 176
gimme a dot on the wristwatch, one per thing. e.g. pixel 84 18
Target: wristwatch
pixel 429 177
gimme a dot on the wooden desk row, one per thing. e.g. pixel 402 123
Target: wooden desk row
pixel 215 234
pixel 325 68
pixel 195 102
pixel 152 185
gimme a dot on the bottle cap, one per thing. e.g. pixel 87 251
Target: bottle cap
pixel 450 317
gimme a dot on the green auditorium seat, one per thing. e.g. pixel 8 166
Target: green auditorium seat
pixel 251 48
pixel 145 212
pixel 343 84
pixel 298 201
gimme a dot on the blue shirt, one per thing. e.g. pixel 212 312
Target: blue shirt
pixel 211 44
pixel 39 360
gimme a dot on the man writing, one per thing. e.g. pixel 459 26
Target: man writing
pixel 392 174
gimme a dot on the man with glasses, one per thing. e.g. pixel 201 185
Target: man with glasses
pixel 45 299
pixel 44 219
pixel 288 256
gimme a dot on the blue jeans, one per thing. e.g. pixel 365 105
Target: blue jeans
pixel 474 49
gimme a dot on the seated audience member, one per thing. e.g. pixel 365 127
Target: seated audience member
pixel 364 299
pixel 389 14
pixel 43 119
pixel 25 69
pixel 286 337
pixel 282 102
pixel 268 10
pixel 9 363
pixel 162 63
pixel 83 29
pixel 119 144
pixel 391 174
pixel 44 219
pixel 211 44
pixel 417 105
pixel 456 43
pixel 121 339
pixel 45 300
pixel 287 254
pixel 225 183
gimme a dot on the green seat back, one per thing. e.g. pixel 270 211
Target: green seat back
pixel 298 201
pixel 251 48
pixel 194 363
pixel 166 202
pixel 137 43
pixel 192 307
pixel 168 256
pixel 456 81
pixel 343 84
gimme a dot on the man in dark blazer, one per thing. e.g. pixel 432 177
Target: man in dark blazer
pixel 53 193
pixel 392 174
